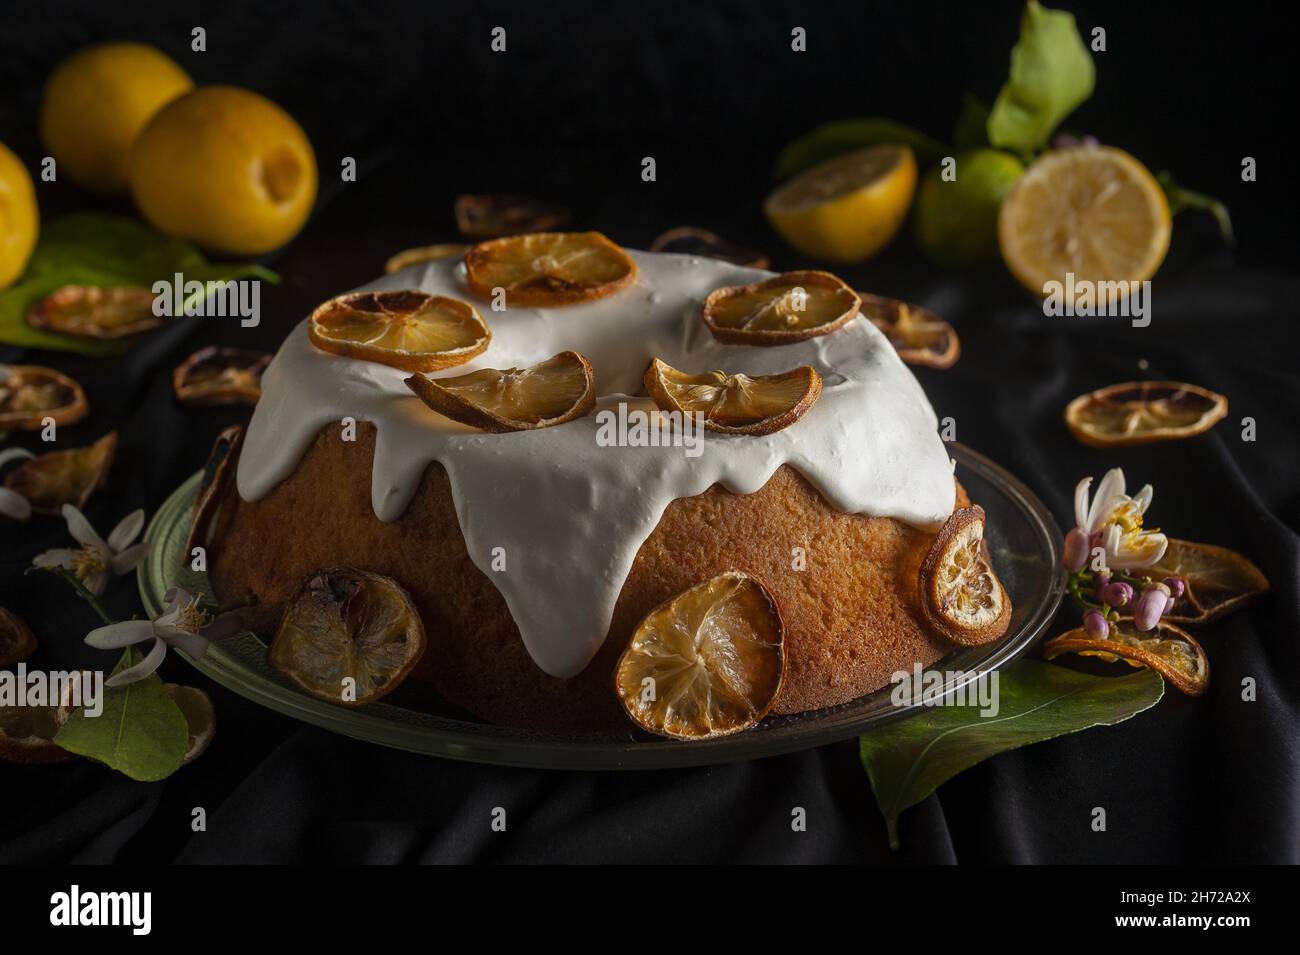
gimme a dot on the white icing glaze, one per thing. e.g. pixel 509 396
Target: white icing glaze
pixel 570 514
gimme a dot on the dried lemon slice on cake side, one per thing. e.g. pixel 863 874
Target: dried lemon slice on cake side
pixel 786 308
pixel 961 595
pixel 707 663
pixel 1142 412
pixel 348 636
pixel 545 269
pixel 918 335
pixel 407 329
pixel 93 312
pixel 30 393
pixel 559 389
pixel 1169 650
pixel 51 480
pixel 736 404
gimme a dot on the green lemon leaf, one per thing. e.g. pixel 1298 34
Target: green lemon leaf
pixel 141 731
pixel 971 131
pixel 1180 199
pixel 845 135
pixel 91 248
pixel 1051 74
pixel 908 759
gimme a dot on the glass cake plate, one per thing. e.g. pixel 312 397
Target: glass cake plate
pixel 1022 537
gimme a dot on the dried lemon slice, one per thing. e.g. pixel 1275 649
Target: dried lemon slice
pixel 407 329
pixel 736 404
pixel 94 312
pixel 51 480
pixel 918 335
pixel 961 595
pixel 348 636
pixel 16 640
pixel 490 217
pixel 1216 581
pixel 220 376
pixel 1169 650
pixel 27 734
pixel 425 253
pixel 551 392
pixel 786 308
pixel 708 662
pixel 29 394
pixel 549 268
pixel 200 717
pixel 688 240
pixel 1140 412
pixel 214 491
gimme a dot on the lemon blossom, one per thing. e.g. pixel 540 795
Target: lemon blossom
pixel 97 560
pixel 1112 520
pixel 13 504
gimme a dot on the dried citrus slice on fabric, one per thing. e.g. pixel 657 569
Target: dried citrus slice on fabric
pixel 490 217
pixel 27 734
pixel 786 308
pixel 94 312
pixel 207 517
pixel 1169 650
pixel 407 329
pixel 846 209
pixel 51 480
pixel 1141 412
pixel 918 335
pixel 551 392
pixel 736 404
pixel 1091 211
pixel 348 636
pixel 200 717
pixel 688 240
pixel 16 640
pixel 1216 581
pixel 220 376
pixel 425 253
pixel 709 662
pixel 961 595
pixel 29 394
pixel 549 268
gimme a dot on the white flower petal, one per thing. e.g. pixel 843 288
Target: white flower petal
pixel 177 597
pixel 127 530
pixel 59 557
pixel 142 669
pixel 191 644
pixel 97 583
pixel 13 504
pixel 1110 490
pixel 118 635
pixel 127 559
pixel 80 528
pixel 1142 500
pixel 1081 504
pixel 14 454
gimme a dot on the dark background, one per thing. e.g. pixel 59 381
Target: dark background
pixel 712 91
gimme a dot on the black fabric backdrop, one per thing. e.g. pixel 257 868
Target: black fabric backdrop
pixel 711 91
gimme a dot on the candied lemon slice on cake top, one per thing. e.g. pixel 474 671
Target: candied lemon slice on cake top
pixel 1169 650
pixel 736 404
pixel 708 662
pixel 1140 412
pixel 786 308
pixel 93 312
pixel 549 268
pixel 551 392
pixel 425 253
pixel 348 636
pixel 1093 211
pixel 961 596
pixel 51 480
pixel 407 329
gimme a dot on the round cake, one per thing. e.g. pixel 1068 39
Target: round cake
pixel 532 556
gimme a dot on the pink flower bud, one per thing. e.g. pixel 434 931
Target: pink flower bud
pixel 1177 587
pixel 1117 594
pixel 1096 625
pixel 1151 605
pixel 1076 550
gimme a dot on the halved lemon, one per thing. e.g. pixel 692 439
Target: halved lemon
pixel 918 335
pixel 29 394
pixel 1093 211
pixel 786 308
pixel 51 480
pixel 846 209
pixel 200 717
pixel 736 404
pixel 208 514
pixel 1141 412
pixel 1217 581
pixel 549 268
pixel 220 376
pixel 348 636
pixel 1169 650
pixel 16 640
pixel 709 662
pixel 425 253
pixel 690 240
pixel 407 329
pixel 559 389
pixel 961 595
pixel 94 312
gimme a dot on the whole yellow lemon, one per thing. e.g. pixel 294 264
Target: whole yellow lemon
pixel 95 104
pixel 19 220
pixel 226 168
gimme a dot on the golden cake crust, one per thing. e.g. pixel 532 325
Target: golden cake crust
pixel 852 614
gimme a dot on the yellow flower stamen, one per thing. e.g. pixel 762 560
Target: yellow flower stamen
pixel 88 562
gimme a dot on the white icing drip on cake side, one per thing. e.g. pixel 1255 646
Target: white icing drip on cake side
pixel 570 514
